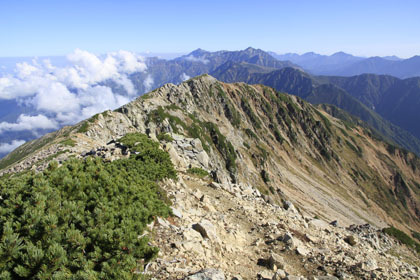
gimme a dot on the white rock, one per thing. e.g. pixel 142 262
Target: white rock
pixel 176 212
pixel 302 251
pixel 207 274
pixel 319 224
pixel 206 229
pixel 203 158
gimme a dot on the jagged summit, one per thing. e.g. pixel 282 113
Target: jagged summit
pixel 274 162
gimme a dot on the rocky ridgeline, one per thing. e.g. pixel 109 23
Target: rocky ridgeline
pixel 230 232
pixel 253 217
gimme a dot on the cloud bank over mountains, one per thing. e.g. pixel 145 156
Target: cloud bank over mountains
pixel 68 94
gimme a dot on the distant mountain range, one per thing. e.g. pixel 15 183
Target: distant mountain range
pixel 385 103
pixel 343 64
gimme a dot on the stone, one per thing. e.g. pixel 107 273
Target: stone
pixel 163 222
pixel 203 158
pixel 207 274
pixel 350 240
pixel 197 194
pixel 334 223
pixel 290 240
pixel 191 234
pixel 193 246
pixel 206 229
pixel 176 212
pixel 368 265
pixel 326 277
pixel 275 261
pixel 214 185
pixel 196 143
pixel 265 275
pixel 176 160
pixel 302 251
pixel 280 274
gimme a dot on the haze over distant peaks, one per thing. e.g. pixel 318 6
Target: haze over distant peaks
pixel 344 64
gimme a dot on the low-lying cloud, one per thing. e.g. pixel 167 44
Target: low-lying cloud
pixel 66 95
pixel 148 83
pixel 184 77
pixel 25 122
pixel 8 147
pixel 197 59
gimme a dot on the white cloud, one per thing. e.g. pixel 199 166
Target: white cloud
pixel 184 77
pixel 73 92
pixel 8 147
pixel 148 83
pixel 197 59
pixel 55 98
pixel 25 122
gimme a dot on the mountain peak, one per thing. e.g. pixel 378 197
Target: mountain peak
pixel 341 54
pixel 198 52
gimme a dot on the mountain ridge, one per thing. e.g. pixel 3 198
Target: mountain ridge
pixel 297 82
pixel 231 104
pixel 263 178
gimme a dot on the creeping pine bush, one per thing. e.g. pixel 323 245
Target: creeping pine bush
pixel 83 220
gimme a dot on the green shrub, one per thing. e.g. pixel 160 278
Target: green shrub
pixel 198 172
pixel 264 176
pixel 84 127
pixel 250 133
pixel 402 237
pixel 68 142
pixel 83 220
pixel 246 107
pixel 223 146
pixel 416 235
pixel 165 136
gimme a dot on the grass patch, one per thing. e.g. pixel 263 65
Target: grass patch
pixel 223 146
pixel 68 142
pixel 246 107
pixel 165 137
pixel 84 127
pixel 250 133
pixel 402 237
pixel 199 172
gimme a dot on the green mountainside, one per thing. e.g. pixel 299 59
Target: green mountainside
pixel 318 90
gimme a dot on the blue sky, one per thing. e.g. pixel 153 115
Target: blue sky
pixel 41 27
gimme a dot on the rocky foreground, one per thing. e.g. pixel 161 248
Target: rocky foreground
pixel 232 232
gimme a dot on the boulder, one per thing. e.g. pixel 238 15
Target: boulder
pixel 176 212
pixel 265 275
pixel 275 261
pixel 206 229
pixel 302 251
pixel 280 274
pixel 207 274
pixel 196 143
pixel 203 159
